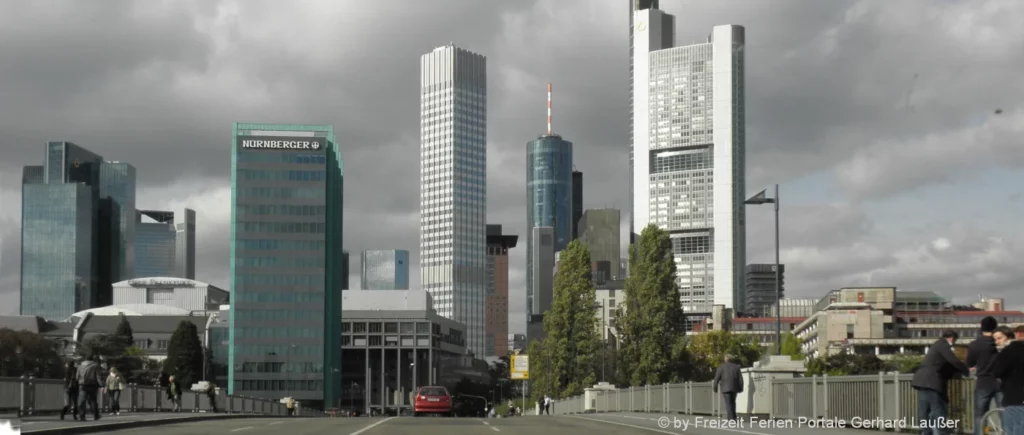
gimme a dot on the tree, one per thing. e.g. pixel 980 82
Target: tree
pixel 650 320
pixel 710 348
pixel 30 354
pixel 791 346
pixel 185 354
pixel 124 332
pixel 844 364
pixel 570 326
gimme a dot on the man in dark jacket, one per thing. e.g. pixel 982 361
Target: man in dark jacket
pixel 930 381
pixel 980 354
pixel 731 380
pixel 1009 367
pixel 90 378
pixel 70 391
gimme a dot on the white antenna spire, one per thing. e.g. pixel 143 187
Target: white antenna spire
pixel 549 109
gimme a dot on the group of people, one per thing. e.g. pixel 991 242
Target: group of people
pixel 544 405
pixel 996 359
pixel 84 383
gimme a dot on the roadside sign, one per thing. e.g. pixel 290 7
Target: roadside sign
pixel 520 370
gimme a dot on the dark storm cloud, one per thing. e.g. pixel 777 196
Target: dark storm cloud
pixel 829 86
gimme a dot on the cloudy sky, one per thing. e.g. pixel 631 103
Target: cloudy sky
pixel 876 117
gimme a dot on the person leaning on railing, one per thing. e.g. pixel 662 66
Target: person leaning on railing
pixel 980 354
pixel 931 380
pixel 1009 367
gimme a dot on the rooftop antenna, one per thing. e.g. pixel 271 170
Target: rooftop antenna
pixel 549 109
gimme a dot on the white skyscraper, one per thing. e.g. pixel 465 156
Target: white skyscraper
pixel 453 187
pixel 688 153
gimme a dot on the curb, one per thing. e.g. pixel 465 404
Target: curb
pixel 105 427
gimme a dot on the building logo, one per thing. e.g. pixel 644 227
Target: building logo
pixel 282 143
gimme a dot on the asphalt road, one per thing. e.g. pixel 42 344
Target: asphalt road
pixel 49 422
pixel 593 424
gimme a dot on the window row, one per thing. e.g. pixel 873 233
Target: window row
pixel 282 157
pixel 272 175
pixel 281 192
pixel 282 227
pixel 280 210
pixel 289 280
pixel 280 245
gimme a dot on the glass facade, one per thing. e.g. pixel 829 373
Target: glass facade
pixel 185 244
pixel 599 232
pixel 549 196
pixel 57 248
pixel 116 226
pixel 453 187
pixel 154 249
pixel 385 270
pixel 286 230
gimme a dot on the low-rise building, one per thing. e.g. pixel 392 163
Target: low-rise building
pixel 885 322
pixel 186 294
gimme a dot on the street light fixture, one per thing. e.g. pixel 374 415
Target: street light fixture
pixel 759 199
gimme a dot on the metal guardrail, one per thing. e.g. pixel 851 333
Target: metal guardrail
pixel 878 398
pixel 30 396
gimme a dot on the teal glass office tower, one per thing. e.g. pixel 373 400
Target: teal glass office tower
pixel 549 198
pixel 286 245
pixel 76 237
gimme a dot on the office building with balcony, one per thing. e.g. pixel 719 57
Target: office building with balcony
pixel 453 187
pixel 885 322
pixel 385 270
pixel 165 244
pixel 77 232
pixel 687 153
pixel 498 245
pixel 286 243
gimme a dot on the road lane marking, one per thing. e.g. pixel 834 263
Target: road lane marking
pixel 486 423
pixel 276 422
pixel 624 424
pixel 495 429
pixel 688 419
pixel 371 426
pixel 241 429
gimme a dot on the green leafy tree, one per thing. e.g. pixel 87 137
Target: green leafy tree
pixel 791 346
pixel 906 363
pixel 710 348
pixel 116 351
pixel 124 332
pixel 25 353
pixel 843 364
pixel 185 354
pixel 650 320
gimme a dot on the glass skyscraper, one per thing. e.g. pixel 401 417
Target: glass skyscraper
pixel 453 187
pixel 76 241
pixel 688 153
pixel 165 244
pixel 385 270
pixel 549 198
pixel 286 240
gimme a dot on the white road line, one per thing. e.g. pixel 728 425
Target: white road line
pixel 495 429
pixel 486 423
pixel 624 424
pixel 276 422
pixel 241 429
pixel 371 426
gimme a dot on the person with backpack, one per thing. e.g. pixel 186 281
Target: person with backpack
pixel 90 378
pixel 70 391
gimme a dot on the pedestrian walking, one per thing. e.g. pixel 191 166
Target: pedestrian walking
pixel 90 378
pixel 1008 366
pixel 290 404
pixel 980 354
pixel 730 379
pixel 174 393
pixel 70 391
pixel 930 381
pixel 547 404
pixel 115 383
pixel 211 394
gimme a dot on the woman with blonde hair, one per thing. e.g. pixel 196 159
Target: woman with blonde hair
pixel 115 383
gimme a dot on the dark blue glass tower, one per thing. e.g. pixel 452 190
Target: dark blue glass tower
pixel 549 195
pixel 286 245
pixel 76 237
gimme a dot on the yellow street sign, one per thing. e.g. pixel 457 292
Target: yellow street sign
pixel 520 369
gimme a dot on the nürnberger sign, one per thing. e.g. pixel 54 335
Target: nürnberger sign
pixel 150 282
pixel 282 143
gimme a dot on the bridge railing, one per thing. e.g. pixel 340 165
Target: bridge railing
pixel 883 397
pixel 29 396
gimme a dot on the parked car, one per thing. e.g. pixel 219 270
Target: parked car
pixel 432 400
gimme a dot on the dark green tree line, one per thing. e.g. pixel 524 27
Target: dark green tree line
pixel 650 320
pixel 185 354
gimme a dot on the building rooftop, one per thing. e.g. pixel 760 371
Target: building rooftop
pixel 132 310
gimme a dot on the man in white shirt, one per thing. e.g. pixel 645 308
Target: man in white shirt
pixel 547 405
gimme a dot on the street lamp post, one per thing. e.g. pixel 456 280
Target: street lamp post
pixel 761 198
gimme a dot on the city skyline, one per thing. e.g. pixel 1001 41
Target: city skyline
pixel 841 124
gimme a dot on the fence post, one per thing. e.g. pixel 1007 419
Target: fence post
pixel 688 394
pixel 665 398
pixel 26 398
pixel 631 409
pixel 824 382
pixel 897 397
pixel 881 399
pixel 814 397
pixel 647 397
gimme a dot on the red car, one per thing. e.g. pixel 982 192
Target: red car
pixel 432 400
